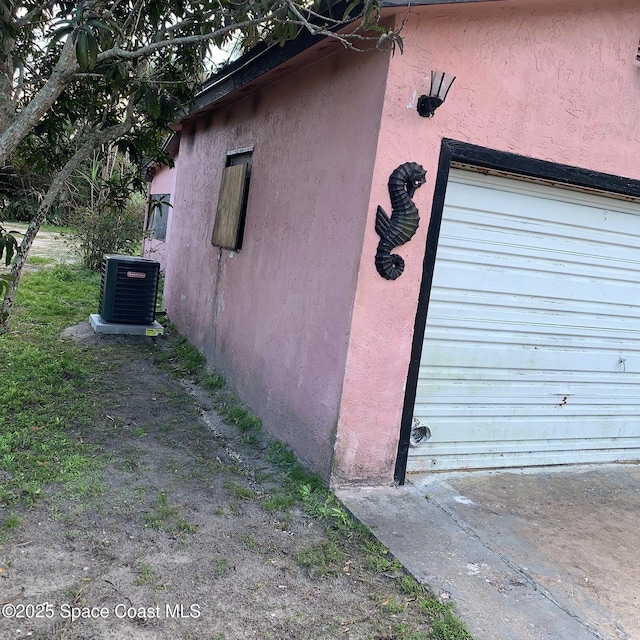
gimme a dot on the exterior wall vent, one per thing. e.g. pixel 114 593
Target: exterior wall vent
pixel 128 289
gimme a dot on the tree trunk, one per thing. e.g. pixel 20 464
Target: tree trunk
pixel 94 140
pixel 28 238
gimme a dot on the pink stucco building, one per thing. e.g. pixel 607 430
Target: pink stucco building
pixel 158 217
pixel 512 336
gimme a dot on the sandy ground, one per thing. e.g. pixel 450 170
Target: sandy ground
pixel 174 540
pixel 49 246
pixel 176 543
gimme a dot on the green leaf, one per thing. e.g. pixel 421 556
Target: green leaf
pixel 368 16
pixel 98 24
pixel 8 247
pixel 106 39
pixel 57 35
pixel 153 12
pixel 82 50
pixel 80 12
pixel 11 249
pixel 5 283
pixel 152 103
pixel 292 31
pixel 93 50
pixel 349 9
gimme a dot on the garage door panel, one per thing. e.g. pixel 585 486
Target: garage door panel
pixel 502 459
pixel 495 280
pixel 476 306
pixel 526 408
pixel 605 230
pixel 508 458
pixel 532 344
pixel 536 335
pixel 539 334
pixel 556 318
pixel 552 209
pixel 518 258
pixel 579 444
pixel 524 392
pixel 464 375
pixel 512 355
pixel 535 435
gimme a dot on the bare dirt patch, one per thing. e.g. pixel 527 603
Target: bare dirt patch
pixel 49 247
pixel 174 538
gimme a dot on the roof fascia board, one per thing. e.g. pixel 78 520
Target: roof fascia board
pixel 250 67
pixel 424 3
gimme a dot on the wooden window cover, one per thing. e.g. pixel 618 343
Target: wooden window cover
pixel 229 211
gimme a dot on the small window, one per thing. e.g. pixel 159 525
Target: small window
pixel 228 227
pixel 157 216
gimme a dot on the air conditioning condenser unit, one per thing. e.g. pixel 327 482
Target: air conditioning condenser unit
pixel 128 293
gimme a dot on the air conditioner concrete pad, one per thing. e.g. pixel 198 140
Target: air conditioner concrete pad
pixel 100 326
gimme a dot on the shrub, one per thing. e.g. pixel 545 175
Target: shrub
pixel 109 215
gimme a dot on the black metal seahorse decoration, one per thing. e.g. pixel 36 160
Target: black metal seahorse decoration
pixel 404 221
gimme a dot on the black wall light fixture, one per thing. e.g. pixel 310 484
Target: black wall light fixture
pixel 440 84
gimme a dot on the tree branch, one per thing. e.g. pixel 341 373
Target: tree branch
pixel 39 105
pixel 126 54
pixel 28 17
pixel 93 140
pixel 67 67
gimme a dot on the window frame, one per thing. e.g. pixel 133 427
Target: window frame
pixel 158 205
pixel 233 198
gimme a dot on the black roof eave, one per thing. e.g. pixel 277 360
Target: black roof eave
pixel 263 58
pixel 251 66
pixel 421 3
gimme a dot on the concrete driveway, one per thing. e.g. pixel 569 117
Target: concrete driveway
pixel 526 555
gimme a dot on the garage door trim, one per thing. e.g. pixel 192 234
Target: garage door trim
pixel 453 152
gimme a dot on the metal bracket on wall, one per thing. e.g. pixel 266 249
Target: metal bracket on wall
pixel 420 433
pixel 404 221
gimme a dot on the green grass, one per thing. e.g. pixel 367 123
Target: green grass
pixel 187 357
pixel 213 381
pixel 324 558
pixel 40 448
pixel 186 360
pixel 167 517
pixel 298 486
pixel 145 575
pixel 391 605
pixel 237 414
pixel 238 491
pixel 63 231
pixel 40 260
pixel 11 522
pixel 37 370
pixel 251 542
pixel 45 227
pixel 307 489
pixel 222 566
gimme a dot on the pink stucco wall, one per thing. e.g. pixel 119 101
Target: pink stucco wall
pixel 551 80
pixel 275 317
pixel 163 182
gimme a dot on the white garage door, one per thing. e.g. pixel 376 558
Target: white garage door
pixel 531 353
